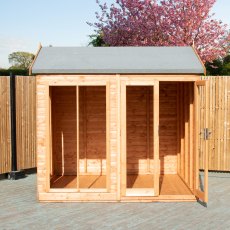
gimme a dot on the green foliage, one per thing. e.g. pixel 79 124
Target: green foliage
pixel 226 66
pixel 6 72
pixel 20 60
pixel 96 40
pixel 219 67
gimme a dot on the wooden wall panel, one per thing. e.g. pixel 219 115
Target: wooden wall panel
pixel 5 135
pixel 191 134
pixel 182 132
pixel 185 132
pixel 168 127
pixel 178 129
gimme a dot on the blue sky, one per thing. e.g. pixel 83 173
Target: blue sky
pixel 25 23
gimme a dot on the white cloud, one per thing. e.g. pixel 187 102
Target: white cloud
pixel 10 44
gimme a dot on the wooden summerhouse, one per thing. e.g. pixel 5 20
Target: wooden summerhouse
pixel 120 124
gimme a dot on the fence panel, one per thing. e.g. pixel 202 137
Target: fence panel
pixel 26 122
pixel 219 123
pixel 5 138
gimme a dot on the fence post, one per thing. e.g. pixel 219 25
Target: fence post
pixel 14 174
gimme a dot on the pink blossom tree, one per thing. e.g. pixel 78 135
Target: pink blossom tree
pixel 164 23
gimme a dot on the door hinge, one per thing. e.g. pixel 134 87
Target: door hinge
pixel 206 133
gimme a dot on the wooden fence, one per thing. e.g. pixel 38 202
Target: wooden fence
pixel 25 123
pixel 5 144
pixel 219 123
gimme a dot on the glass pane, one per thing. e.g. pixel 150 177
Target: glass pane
pixel 63 137
pixel 92 137
pixel 139 124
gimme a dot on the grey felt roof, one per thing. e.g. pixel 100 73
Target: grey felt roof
pixel 173 60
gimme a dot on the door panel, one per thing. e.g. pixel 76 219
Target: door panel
pixel 202 136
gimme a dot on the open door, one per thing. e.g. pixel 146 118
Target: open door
pixel 201 136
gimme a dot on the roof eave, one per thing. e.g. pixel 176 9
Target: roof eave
pixel 198 56
pixel 36 55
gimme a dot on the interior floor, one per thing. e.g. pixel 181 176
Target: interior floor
pixel 139 181
pixel 85 181
pixel 170 184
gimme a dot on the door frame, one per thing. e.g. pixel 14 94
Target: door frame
pixel 201 195
pixel 123 160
